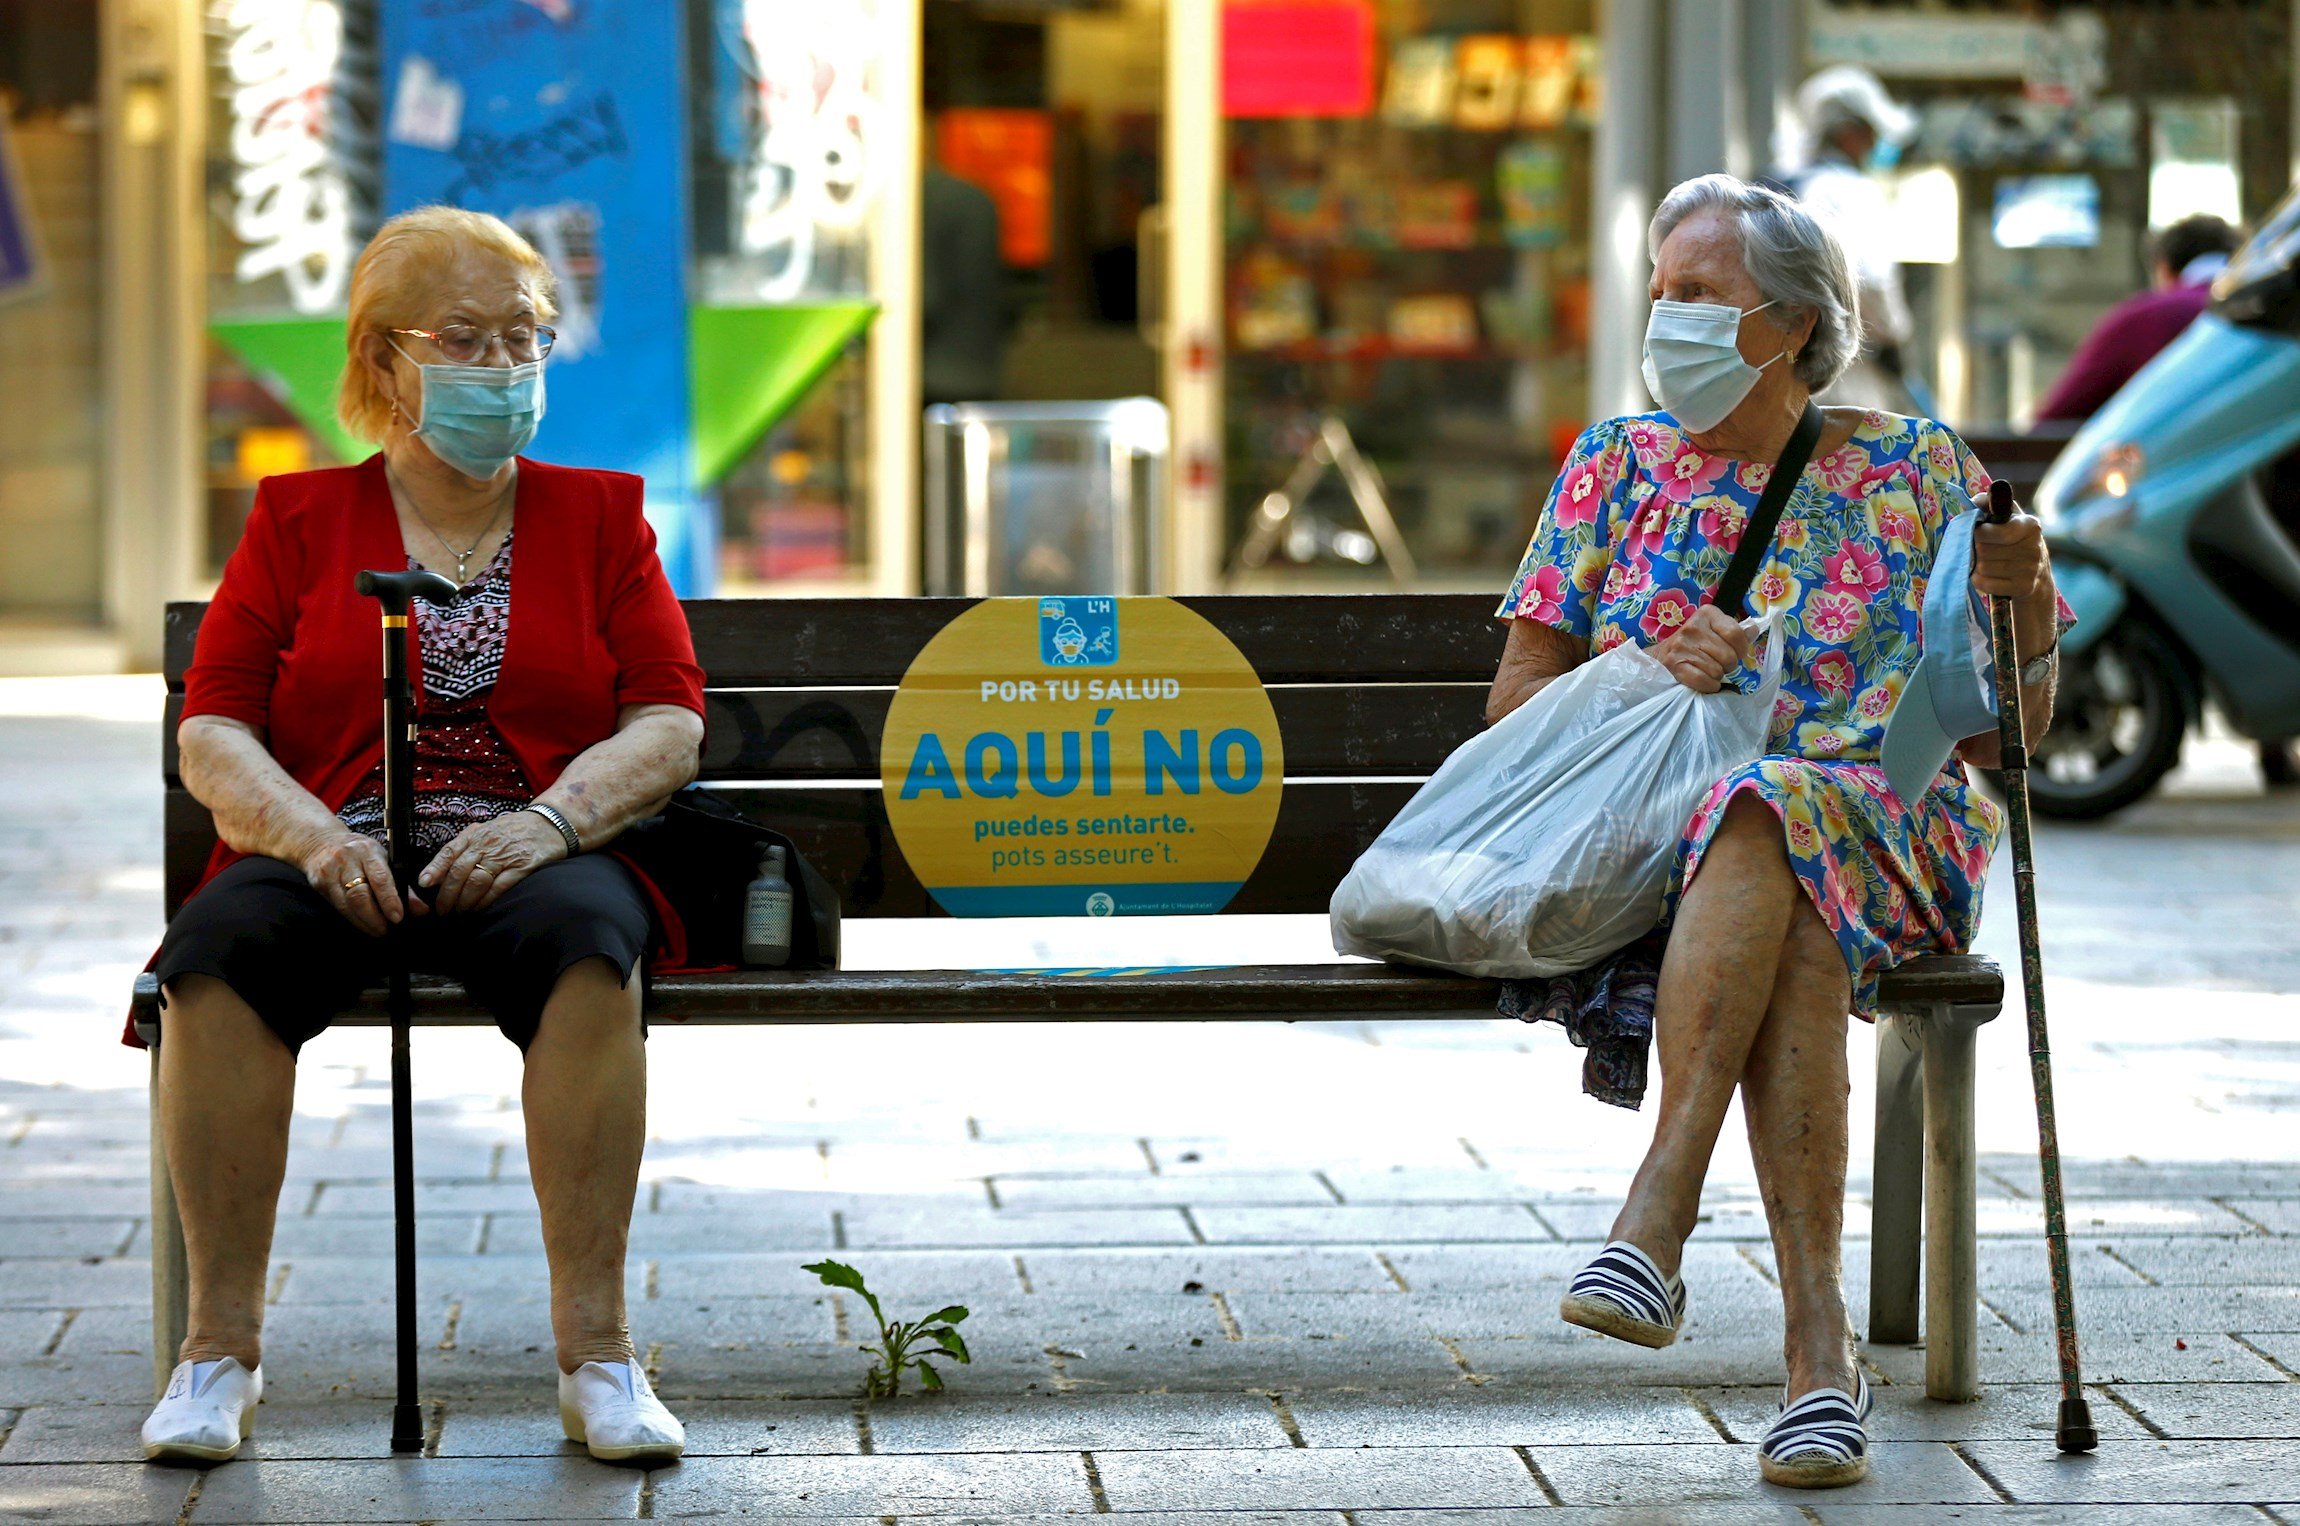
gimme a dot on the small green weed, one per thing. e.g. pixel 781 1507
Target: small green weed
pixel 931 1336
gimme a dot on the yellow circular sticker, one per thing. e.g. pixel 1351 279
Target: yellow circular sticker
pixel 1081 757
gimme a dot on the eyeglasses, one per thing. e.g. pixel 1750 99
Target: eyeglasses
pixel 465 345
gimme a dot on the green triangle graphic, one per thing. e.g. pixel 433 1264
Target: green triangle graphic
pixel 299 361
pixel 749 366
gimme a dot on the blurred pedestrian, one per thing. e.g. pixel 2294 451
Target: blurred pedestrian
pixel 962 291
pixel 2183 261
pixel 1806 874
pixel 1855 129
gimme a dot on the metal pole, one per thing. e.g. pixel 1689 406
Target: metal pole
pixel 2074 1433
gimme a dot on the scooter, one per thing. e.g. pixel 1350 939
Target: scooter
pixel 2173 518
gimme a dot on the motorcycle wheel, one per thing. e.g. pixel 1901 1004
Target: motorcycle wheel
pixel 2118 720
pixel 2280 763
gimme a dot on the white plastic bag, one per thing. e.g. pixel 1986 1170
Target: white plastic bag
pixel 1547 842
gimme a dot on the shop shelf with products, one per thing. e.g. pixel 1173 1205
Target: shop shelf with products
pixel 1419 272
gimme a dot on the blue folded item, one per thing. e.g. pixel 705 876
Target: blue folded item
pixel 1951 694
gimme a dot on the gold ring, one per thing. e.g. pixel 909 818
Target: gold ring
pixel 355 882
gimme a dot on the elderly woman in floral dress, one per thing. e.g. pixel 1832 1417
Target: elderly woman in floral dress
pixel 1803 876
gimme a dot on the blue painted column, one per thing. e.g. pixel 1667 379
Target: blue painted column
pixel 566 118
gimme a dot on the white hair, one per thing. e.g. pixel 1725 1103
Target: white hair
pixel 1795 258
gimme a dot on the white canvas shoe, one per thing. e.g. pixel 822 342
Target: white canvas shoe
pixel 206 1413
pixel 610 1409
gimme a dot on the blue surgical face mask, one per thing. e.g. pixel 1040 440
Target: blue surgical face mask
pixel 475 418
pixel 1693 365
pixel 1886 155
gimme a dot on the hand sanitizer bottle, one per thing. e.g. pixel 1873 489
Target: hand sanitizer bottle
pixel 767 914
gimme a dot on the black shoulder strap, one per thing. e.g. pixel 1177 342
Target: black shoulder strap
pixel 1757 539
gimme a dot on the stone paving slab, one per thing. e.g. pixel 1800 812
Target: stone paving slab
pixel 929 1486
pixel 2126 1472
pixel 1369 1478
pixel 1341 1224
pixel 92 1494
pixel 2176 1307
pixel 2040 1515
pixel 1494 1416
pixel 302 1281
pixel 1078 1422
pixel 1120 1366
pixel 2217 1410
pixel 1227 1270
pixel 77 1283
pixel 420 1489
pixel 2249 1261
pixel 1252 1189
pixel 1901 1472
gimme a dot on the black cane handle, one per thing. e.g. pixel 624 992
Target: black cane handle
pixel 2001 506
pixel 395 589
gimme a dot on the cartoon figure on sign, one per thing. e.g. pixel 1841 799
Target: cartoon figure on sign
pixel 1099 904
pixel 1078 633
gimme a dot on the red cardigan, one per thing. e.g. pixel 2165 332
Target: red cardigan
pixel 289 648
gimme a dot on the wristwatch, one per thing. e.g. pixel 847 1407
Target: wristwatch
pixel 2040 667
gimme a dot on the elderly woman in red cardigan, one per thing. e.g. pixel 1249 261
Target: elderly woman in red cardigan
pixel 559 703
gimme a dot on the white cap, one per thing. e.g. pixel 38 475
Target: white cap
pixel 1845 92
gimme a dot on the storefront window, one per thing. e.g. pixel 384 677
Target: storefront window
pixel 1408 281
pixel 292 194
pixel 789 164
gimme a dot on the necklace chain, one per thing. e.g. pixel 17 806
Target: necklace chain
pixel 462 558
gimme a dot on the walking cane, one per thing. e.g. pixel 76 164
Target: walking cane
pixel 394 590
pixel 2074 1432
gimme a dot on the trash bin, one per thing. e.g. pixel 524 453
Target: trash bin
pixel 1045 498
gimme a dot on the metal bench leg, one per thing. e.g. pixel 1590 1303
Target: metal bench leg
pixel 171 1283
pixel 1897 1178
pixel 1952 1264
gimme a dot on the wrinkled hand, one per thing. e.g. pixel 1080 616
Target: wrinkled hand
pixel 484 861
pixel 1704 649
pixel 2009 560
pixel 350 870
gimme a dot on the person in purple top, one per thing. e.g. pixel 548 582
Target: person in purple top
pixel 2183 258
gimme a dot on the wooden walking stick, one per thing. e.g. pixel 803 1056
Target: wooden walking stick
pixel 395 590
pixel 2074 1433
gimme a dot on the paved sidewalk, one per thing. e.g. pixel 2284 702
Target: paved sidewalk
pixel 1217 1273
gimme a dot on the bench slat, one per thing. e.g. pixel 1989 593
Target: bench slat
pixel 1321 830
pixel 1391 730
pixel 800 734
pixel 1289 638
pixel 1251 993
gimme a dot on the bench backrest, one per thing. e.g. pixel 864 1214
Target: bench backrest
pixel 1372 691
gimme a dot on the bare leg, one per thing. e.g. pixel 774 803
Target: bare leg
pixel 1716 981
pixel 227 1086
pixel 585 1097
pixel 1794 1094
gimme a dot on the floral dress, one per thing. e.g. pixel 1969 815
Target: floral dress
pixel 1634 538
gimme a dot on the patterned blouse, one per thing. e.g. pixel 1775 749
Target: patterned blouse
pixel 464 771
pixel 1636 534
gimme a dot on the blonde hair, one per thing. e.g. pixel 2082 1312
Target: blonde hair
pixel 388 286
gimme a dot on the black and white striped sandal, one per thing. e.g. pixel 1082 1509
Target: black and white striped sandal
pixel 1621 1293
pixel 1822 1440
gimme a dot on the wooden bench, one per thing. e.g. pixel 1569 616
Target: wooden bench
pixel 1371 693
